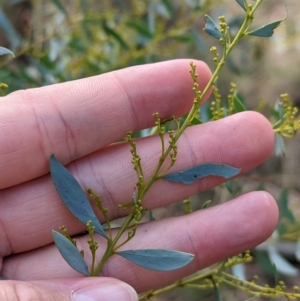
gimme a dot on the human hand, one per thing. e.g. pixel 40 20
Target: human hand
pixel 78 121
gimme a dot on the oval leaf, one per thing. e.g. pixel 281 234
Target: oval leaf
pixel 211 28
pixel 189 176
pixel 73 196
pixel 70 253
pixel 6 51
pixel 242 4
pixel 158 259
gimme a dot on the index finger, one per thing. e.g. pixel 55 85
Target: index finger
pixel 76 118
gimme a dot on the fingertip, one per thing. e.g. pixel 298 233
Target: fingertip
pixel 259 211
pixel 251 138
pixel 264 130
pixel 271 210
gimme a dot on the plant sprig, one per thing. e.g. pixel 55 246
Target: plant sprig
pixel 74 198
pixel 219 277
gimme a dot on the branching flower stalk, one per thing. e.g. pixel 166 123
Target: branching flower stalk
pixel 227 46
pixel 158 259
pixel 219 277
pixel 137 210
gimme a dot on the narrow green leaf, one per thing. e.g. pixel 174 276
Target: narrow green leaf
pixel 211 28
pixel 284 210
pixel 238 104
pixel 222 267
pixel 229 186
pixel 276 276
pixel 73 196
pixel 266 30
pixel 206 204
pixel 196 121
pixel 169 6
pixel 111 32
pixel 242 4
pixel 264 261
pixel 70 253
pixel 216 291
pixel 158 259
pixel 6 51
pixel 60 6
pixel 282 265
pixel 141 27
pixel 297 251
pixel 151 216
pixel 189 176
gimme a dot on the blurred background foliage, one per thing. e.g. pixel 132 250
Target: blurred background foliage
pixel 56 41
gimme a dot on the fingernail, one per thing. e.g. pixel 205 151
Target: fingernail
pixel 105 292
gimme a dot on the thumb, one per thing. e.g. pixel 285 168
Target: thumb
pixel 78 289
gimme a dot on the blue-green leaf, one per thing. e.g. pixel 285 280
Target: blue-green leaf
pixel 201 45
pixel 242 4
pixel 266 30
pixel 6 51
pixel 72 195
pixel 9 30
pixel 189 176
pixel 158 259
pixel 70 253
pixel 211 28
pixel 238 104
pixel 279 145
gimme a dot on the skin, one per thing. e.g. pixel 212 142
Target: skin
pixel 79 122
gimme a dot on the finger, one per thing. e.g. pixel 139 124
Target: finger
pixel 212 235
pixel 76 118
pixel 100 289
pixel 110 173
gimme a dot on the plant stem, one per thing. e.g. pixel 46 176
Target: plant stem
pixel 239 35
pixel 111 244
